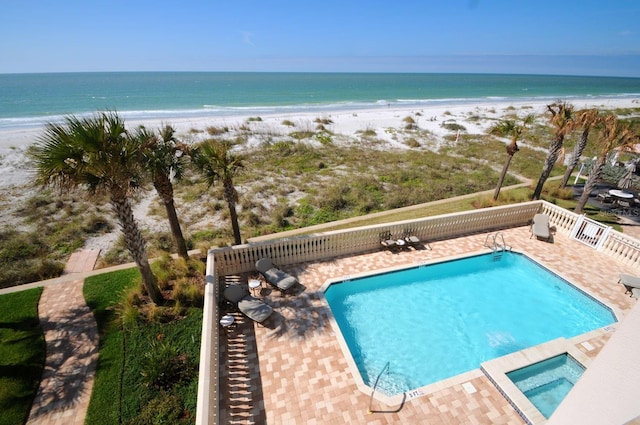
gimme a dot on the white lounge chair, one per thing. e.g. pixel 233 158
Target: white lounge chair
pixel 631 284
pixel 251 307
pixel 274 275
pixel 540 227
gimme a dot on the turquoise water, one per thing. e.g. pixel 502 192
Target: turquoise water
pixel 548 382
pixel 31 99
pixel 438 321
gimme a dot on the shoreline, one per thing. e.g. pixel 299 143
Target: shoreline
pixel 15 141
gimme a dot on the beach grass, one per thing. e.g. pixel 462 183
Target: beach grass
pixel 22 354
pixel 60 223
pixel 147 371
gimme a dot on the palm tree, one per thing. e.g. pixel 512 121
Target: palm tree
pixel 509 128
pixel 562 119
pixel 96 153
pixel 586 118
pixel 162 157
pixel 216 161
pixel 613 134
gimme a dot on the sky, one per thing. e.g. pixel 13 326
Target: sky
pixel 589 37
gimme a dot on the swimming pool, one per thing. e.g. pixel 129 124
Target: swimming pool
pixel 436 321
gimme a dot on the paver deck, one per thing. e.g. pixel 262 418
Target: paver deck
pixel 71 337
pixel 293 370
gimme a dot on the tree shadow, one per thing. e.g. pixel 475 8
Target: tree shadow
pixel 72 348
pixel 25 325
pixel 299 317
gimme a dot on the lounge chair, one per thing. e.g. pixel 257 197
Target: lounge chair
pixel 274 275
pixel 631 284
pixel 540 227
pixel 387 241
pixel 412 240
pixel 251 307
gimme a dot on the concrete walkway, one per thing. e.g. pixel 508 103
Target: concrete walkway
pixel 71 337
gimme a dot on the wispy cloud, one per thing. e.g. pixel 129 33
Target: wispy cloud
pixel 626 33
pixel 246 38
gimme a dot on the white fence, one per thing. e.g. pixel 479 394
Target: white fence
pixel 242 258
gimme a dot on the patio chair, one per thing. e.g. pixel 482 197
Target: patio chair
pixel 540 227
pixel 274 275
pixel 605 198
pixel 251 307
pixel 631 285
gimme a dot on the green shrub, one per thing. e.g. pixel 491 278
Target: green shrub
pixel 163 366
pixel 216 131
pixel 324 121
pixel 453 126
pixel 368 132
pixel 324 138
pixel 165 408
pixel 409 120
pixel 300 135
pixel 412 143
pixel 188 293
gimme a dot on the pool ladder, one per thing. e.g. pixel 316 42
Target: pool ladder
pixel 384 369
pixel 497 245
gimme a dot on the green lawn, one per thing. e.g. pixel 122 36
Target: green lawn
pixel 22 354
pixel 147 372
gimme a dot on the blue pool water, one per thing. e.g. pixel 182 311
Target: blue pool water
pixel 547 383
pixel 437 321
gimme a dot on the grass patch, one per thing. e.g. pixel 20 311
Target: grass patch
pixel 22 354
pixel 147 371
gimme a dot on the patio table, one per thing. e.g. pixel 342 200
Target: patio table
pixel 620 194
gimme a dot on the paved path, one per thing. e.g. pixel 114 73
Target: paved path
pixel 71 336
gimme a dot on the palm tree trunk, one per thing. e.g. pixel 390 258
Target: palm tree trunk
pixel 502 176
pixel 165 191
pixel 230 196
pixel 176 231
pixel 552 157
pixel 577 153
pixel 594 175
pixel 135 244
pixel 234 223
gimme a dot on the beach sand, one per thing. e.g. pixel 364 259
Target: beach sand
pixel 476 118
pixel 17 174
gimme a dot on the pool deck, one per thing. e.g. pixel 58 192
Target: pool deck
pixel 293 369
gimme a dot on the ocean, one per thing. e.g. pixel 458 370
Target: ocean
pixel 30 100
